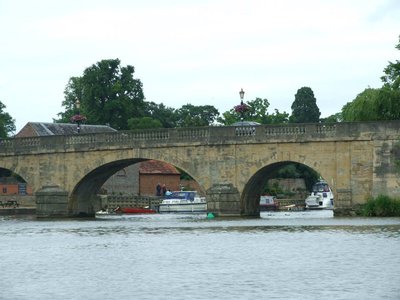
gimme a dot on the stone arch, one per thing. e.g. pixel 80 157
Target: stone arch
pixel 252 190
pixel 83 199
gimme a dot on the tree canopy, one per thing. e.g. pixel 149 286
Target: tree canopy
pixel 257 111
pixel 304 107
pixel 391 78
pixel 108 94
pixel 377 104
pixel 192 116
pixel 7 123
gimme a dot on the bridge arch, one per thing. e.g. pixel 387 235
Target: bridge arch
pixel 84 199
pixel 254 187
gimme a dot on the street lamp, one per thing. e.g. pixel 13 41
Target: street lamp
pixel 78 118
pixel 241 93
pixel 241 108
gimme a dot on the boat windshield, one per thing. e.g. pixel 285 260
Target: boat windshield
pixel 321 187
pixel 182 195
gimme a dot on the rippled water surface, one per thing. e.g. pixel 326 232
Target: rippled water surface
pixel 283 255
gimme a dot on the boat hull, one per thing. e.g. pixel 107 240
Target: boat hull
pixel 183 208
pixel 314 202
pixel 136 210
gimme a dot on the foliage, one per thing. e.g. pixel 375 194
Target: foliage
pixel 333 118
pixel 278 118
pixel 391 78
pixel 256 112
pixel 373 105
pixel 241 108
pixel 378 104
pixel 296 170
pixel 108 94
pixel 7 123
pixel 192 116
pixel 165 115
pixel 143 123
pixel 304 107
pixel 362 108
pixel 381 206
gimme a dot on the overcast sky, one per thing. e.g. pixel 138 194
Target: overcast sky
pixel 197 52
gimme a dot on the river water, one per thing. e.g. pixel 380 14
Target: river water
pixel 282 255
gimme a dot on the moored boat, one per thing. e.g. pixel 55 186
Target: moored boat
pixel 321 196
pixel 136 210
pixel 183 202
pixel 268 203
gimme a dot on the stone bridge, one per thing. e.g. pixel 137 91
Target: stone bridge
pixel 231 164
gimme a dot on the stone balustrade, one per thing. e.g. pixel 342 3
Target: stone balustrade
pixel 202 135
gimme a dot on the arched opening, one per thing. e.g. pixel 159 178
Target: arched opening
pixel 129 182
pixel 288 181
pixel 14 189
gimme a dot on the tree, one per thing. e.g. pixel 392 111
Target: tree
pixel 304 107
pixel 362 108
pixel 377 104
pixel 108 94
pixel 192 116
pixel 7 123
pixel 257 112
pixel 333 118
pixel 391 78
pixel 167 116
pixel 143 123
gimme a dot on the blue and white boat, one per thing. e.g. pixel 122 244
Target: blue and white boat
pixel 183 202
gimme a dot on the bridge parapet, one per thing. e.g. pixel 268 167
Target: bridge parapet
pixel 202 135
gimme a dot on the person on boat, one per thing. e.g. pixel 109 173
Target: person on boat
pixel 164 189
pixel 168 192
pixel 158 189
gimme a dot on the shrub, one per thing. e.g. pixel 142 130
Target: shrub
pixel 381 206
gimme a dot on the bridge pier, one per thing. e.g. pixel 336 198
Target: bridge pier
pixel 51 201
pixel 343 203
pixel 223 200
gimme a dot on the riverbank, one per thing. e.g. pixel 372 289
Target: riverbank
pixel 17 211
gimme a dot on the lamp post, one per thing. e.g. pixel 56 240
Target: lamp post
pixel 78 118
pixel 241 108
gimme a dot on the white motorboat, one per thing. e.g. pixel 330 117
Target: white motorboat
pixel 183 202
pixel 321 196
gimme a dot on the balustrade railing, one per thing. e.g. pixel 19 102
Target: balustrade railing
pixel 219 134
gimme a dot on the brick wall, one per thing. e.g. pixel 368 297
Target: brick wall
pixel 26 131
pixel 148 183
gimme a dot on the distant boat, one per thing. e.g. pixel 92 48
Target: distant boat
pixel 321 196
pixel 119 211
pixel 136 210
pixel 268 203
pixel 183 202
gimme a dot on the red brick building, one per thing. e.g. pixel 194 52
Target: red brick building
pixel 153 172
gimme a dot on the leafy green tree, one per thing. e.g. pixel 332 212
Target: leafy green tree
pixel 257 112
pixel 377 104
pixel 392 73
pixel 278 117
pixel 362 108
pixel 304 107
pixel 373 105
pixel 108 94
pixel 143 123
pixel 333 118
pixel 193 116
pixel 7 123
pixel 167 116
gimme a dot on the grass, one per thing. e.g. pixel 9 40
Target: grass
pixel 381 206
